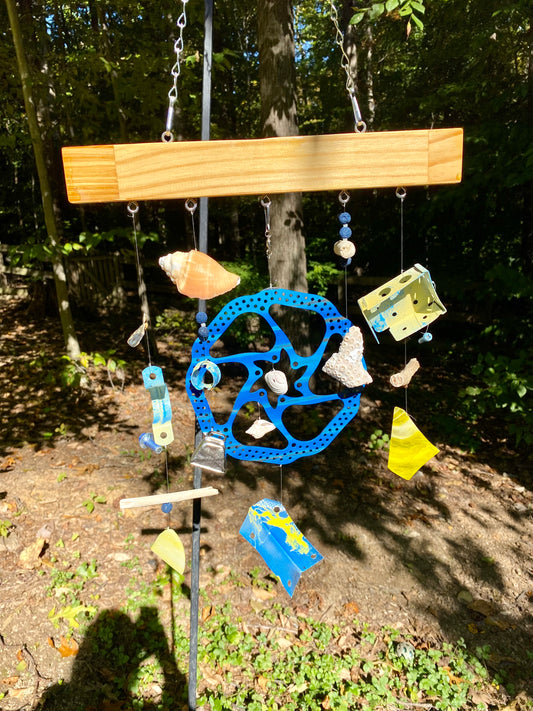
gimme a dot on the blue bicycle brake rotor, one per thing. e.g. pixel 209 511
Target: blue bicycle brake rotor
pixel 260 304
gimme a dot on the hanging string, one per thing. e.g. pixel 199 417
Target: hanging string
pixel 345 233
pixel 190 206
pixel 400 194
pixel 169 509
pixel 133 209
pixel 281 484
pixel 266 202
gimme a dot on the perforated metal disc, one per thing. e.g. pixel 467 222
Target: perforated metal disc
pixel 251 392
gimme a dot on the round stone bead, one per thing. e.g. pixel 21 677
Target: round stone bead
pixel 166 508
pixel 203 332
pixel 201 317
pixel 344 248
pixel 345 217
pixel 345 232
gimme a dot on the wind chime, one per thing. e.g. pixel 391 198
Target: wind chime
pixel 341 162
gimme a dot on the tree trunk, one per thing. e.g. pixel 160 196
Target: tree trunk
pixel 277 80
pixel 527 229
pixel 67 323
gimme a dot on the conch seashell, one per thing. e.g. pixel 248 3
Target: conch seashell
pixel 197 274
pixel 260 428
pixel 403 378
pixel 277 381
pixel 347 364
pixel 344 248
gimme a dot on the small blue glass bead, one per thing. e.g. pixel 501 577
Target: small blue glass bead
pixel 201 317
pixel 348 262
pixel 166 508
pixel 345 232
pixel 425 338
pixel 345 217
pixel 203 332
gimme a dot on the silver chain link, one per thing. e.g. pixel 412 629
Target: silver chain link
pixel 167 136
pixel 360 125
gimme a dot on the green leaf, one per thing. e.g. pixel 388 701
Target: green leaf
pixel 357 18
pixel 391 5
pixel 418 22
pixel 418 6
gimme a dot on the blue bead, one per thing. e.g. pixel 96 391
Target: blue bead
pixel 203 332
pixel 166 508
pixel 345 217
pixel 348 262
pixel 345 232
pixel 201 317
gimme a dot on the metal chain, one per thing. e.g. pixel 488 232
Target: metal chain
pixel 266 202
pixel 167 136
pixel 360 125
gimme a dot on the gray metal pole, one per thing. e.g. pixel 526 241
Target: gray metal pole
pixel 197 472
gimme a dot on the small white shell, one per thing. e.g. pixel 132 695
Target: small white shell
pixel 277 381
pixel 344 248
pixel 260 428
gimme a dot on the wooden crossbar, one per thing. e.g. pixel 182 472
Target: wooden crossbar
pixel 160 171
pixel 157 499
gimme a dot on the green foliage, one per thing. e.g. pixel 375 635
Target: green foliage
pixel 93 499
pixel 320 276
pixel 5 527
pixel 503 369
pixel 410 9
pixel 303 664
pixel 378 440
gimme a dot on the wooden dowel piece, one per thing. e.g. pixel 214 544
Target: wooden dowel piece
pixel 172 497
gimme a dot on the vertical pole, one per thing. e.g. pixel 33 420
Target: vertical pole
pixel 197 472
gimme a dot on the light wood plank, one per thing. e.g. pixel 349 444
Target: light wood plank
pixel 162 171
pixel 158 499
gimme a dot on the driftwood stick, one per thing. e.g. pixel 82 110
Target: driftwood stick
pixel 172 497
pixel 403 378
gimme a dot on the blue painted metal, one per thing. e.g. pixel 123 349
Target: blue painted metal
pixel 154 382
pixel 252 392
pixel 272 532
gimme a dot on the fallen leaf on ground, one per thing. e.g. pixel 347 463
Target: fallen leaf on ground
pixel 66 648
pixel 208 612
pixel 351 608
pixel 9 680
pixel 262 594
pixel 18 693
pixel 483 607
pixel 30 559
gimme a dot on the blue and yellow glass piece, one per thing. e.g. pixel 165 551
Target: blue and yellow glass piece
pixel 154 382
pixel 409 449
pixel 251 391
pixel 403 305
pixel 272 532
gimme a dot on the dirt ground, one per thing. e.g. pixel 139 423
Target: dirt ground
pixel 446 555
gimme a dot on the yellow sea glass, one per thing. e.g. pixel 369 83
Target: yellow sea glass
pixel 409 449
pixel 169 547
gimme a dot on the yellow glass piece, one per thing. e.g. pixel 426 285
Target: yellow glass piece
pixel 169 547
pixel 404 304
pixel 409 450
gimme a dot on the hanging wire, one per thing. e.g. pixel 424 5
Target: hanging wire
pixel 167 135
pixel 401 194
pixel 266 202
pixel 133 209
pixel 360 125
pixel 281 484
pixel 344 198
pixel 190 206
pixel 168 484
